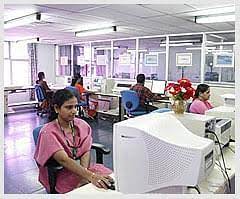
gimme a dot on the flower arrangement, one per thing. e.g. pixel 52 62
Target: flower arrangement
pixel 182 90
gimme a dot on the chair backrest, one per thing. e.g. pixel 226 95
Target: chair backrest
pixel 74 91
pixel 39 93
pixel 130 100
pixel 188 107
pixel 36 132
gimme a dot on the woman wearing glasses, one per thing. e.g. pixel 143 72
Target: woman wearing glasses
pixel 66 139
pixel 200 102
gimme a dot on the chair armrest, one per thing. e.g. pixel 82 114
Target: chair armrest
pixel 101 148
pixel 53 164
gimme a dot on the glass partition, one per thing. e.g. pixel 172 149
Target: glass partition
pixel 219 64
pixel 124 59
pixel 101 58
pixel 64 60
pixel 81 59
pixel 152 58
pixel 185 57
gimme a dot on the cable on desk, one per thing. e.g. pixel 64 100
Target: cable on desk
pixel 225 169
pixel 231 149
pixel 195 187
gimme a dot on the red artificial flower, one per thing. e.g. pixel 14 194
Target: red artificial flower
pixel 181 90
pixel 184 82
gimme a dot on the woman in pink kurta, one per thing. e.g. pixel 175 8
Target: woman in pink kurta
pixel 67 139
pixel 200 103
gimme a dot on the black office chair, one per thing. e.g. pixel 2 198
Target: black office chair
pixel 188 107
pixel 54 167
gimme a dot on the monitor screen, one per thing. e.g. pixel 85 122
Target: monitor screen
pixel 148 84
pixel 158 86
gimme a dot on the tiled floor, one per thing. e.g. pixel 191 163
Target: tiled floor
pixel 20 170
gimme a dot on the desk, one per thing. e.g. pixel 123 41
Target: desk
pixel 214 183
pixel 13 90
pixel 119 102
pixel 54 88
pixel 157 103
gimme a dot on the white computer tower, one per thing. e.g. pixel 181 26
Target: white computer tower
pixel 196 123
pixel 224 112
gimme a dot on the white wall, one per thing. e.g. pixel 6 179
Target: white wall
pixel 46 61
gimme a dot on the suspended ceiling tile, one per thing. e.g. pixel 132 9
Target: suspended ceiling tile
pixel 171 8
pixel 134 10
pixel 75 7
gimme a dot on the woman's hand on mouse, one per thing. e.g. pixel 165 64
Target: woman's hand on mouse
pixel 101 181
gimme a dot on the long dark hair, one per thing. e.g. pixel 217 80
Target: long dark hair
pixel 201 88
pixel 59 98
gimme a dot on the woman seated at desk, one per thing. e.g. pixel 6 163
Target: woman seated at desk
pixel 42 82
pixel 67 139
pixel 85 96
pixel 200 102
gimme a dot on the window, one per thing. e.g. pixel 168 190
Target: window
pixel 19 50
pixel 7 73
pixel 152 58
pixel 16 64
pixel 219 64
pixel 101 58
pixel 124 59
pixel 6 50
pixel 20 73
pixel 185 49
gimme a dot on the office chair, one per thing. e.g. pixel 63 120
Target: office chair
pixel 54 167
pixel 42 100
pixel 188 107
pixel 130 100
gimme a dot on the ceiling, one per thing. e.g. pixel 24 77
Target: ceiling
pixel 132 20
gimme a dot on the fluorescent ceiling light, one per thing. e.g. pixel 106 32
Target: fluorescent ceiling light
pixel 213 11
pixel 194 48
pixel 215 18
pixel 99 31
pixel 179 44
pixel 29 40
pixel 24 20
pixel 105 48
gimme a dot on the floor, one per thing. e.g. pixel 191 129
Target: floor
pixel 20 170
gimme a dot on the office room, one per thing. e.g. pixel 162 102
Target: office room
pixel 139 98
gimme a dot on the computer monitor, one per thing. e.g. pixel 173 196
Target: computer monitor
pixel 155 153
pixel 158 86
pixel 148 84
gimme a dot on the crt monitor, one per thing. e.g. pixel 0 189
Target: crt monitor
pixel 148 84
pixel 158 86
pixel 154 153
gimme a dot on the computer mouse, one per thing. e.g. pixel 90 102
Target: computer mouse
pixel 112 186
